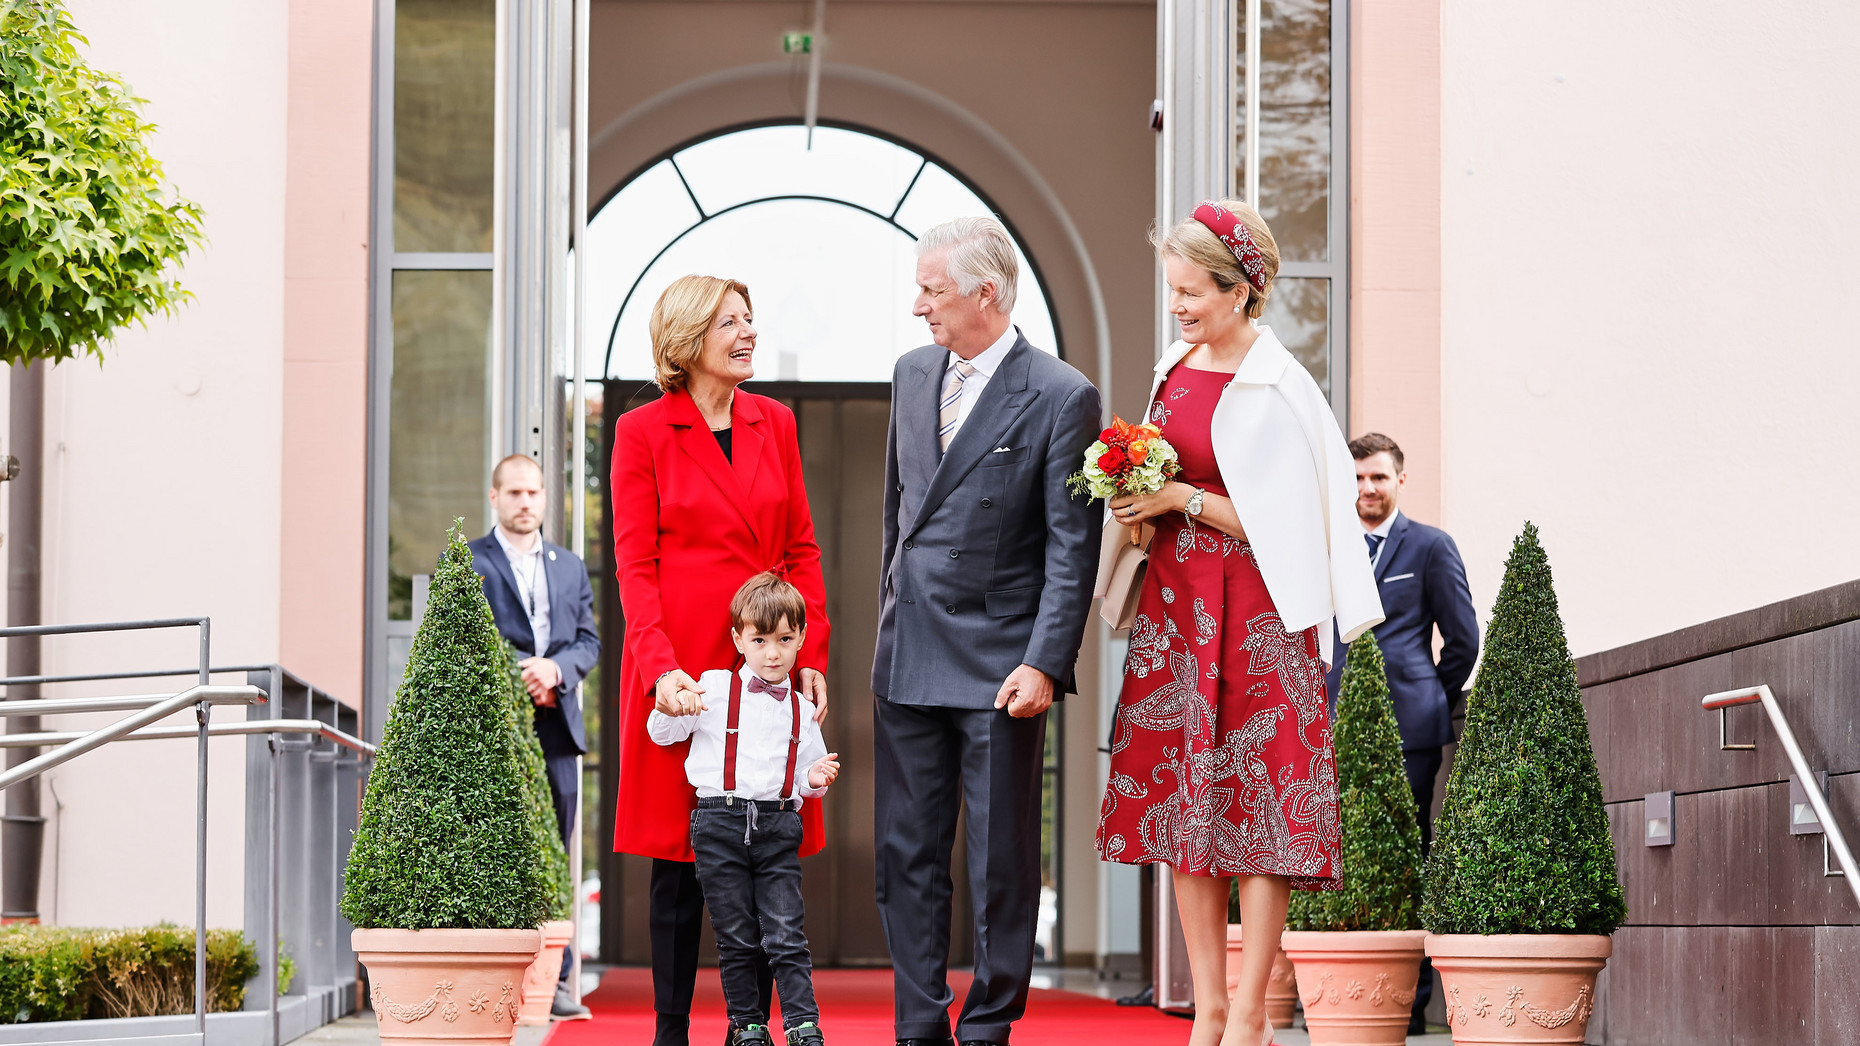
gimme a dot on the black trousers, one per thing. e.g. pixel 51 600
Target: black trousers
pixel 749 862
pixel 929 762
pixel 1423 767
pixel 565 791
pixel 675 925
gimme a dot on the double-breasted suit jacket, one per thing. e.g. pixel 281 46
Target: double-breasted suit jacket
pixel 690 526
pixel 988 561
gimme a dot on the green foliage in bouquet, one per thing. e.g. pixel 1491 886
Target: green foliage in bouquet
pixel 536 785
pixel 446 836
pixel 86 226
pixel 1381 857
pixel 1523 843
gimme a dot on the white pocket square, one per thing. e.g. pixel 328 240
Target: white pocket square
pixel 1397 577
pixel 1000 450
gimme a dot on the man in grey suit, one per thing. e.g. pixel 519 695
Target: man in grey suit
pixel 986 584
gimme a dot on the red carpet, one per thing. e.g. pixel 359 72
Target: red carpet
pixel 855 1010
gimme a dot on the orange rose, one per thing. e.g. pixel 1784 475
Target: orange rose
pixel 1138 452
pixel 1145 431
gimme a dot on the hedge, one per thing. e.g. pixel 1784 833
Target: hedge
pixel 543 827
pixel 1523 844
pixel 1381 858
pixel 446 837
pixel 63 973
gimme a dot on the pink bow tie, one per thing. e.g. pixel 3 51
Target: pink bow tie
pixel 775 690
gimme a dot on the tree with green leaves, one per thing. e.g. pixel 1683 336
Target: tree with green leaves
pixel 87 228
pixel 522 723
pixel 447 837
pixel 1381 855
pixel 1523 844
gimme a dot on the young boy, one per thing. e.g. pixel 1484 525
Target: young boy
pixel 755 753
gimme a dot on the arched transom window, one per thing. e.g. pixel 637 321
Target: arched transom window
pixel 823 236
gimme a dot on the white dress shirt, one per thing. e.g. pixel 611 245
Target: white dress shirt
pixel 1383 530
pixel 985 366
pixel 761 739
pixel 532 585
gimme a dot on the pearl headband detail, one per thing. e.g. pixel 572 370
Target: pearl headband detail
pixel 1231 231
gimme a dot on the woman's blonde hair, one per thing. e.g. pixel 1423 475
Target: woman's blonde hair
pixel 680 319
pixel 1196 244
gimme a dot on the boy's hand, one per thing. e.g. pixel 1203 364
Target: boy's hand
pixel 678 694
pixel 824 772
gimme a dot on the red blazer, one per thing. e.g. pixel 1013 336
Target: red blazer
pixel 690 526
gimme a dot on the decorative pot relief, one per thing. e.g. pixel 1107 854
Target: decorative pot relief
pixel 506 1008
pixel 1481 1006
pixel 1354 990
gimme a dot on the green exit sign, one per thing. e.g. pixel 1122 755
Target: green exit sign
pixel 797 43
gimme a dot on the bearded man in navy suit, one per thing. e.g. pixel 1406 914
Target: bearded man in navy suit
pixel 1423 586
pixel 543 604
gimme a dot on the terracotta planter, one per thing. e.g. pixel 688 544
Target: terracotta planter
pixel 540 979
pixel 1357 985
pixel 1516 987
pixel 1281 993
pixel 446 987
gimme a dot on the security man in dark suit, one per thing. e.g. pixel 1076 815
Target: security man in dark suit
pixel 543 604
pixel 1423 586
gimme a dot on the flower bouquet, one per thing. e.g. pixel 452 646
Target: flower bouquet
pixel 1126 459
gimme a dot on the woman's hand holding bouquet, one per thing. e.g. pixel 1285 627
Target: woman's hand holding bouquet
pixel 1129 466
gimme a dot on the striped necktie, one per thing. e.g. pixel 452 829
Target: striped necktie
pixel 950 406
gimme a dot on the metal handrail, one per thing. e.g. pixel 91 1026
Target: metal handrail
pixel 245 729
pixel 192 696
pixel 73 705
pixel 1832 836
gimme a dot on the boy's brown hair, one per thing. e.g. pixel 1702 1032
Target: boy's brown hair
pixel 762 603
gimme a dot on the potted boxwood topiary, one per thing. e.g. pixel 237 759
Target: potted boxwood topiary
pixel 540 980
pixel 1520 891
pixel 445 883
pixel 1357 949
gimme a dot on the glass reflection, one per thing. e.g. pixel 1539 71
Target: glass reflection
pixel 438 452
pixel 444 53
pixel 1299 313
pixel 1294 147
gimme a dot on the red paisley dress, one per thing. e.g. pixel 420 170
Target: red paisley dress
pixel 1221 760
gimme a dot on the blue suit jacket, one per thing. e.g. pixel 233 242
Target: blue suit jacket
pixel 574 643
pixel 1423 584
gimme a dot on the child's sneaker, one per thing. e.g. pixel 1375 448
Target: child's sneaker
pixel 805 1035
pixel 751 1035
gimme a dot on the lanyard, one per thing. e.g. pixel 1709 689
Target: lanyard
pixel 729 741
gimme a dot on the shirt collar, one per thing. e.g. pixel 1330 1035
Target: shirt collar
pixel 1387 526
pixel 992 356
pixel 511 550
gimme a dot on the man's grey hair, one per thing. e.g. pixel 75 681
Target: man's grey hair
pixel 980 251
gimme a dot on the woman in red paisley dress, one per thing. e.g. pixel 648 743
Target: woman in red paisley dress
pixel 1221 759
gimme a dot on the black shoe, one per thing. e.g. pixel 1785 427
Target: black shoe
pixel 944 1041
pixel 751 1035
pixel 674 1029
pixel 981 1042
pixel 806 1034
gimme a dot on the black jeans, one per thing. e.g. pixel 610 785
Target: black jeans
pixel 1422 767
pixel 749 864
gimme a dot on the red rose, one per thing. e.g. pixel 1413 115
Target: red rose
pixel 1108 436
pixel 1111 462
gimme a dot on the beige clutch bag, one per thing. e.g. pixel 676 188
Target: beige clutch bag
pixel 1123 557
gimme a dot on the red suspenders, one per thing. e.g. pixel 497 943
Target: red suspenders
pixel 729 742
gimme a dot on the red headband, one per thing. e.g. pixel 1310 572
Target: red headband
pixel 1233 232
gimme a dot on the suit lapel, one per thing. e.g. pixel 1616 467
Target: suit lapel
pixel 500 565
pixel 917 417
pixel 745 448
pixel 1387 558
pixel 1003 399
pixel 695 438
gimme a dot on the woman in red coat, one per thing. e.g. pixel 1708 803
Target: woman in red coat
pixel 707 492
